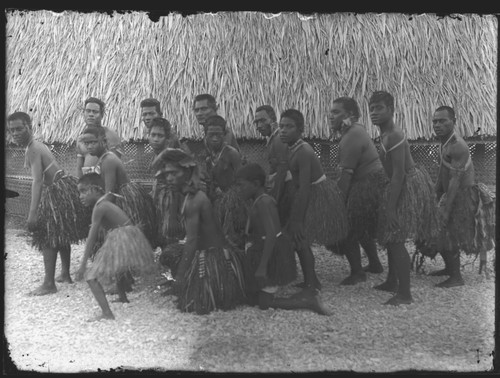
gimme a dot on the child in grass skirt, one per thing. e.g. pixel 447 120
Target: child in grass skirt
pixel 222 162
pixel 209 274
pixel 125 247
pixel 269 255
pixel 56 217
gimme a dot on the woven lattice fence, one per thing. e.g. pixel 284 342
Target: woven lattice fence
pixel 138 156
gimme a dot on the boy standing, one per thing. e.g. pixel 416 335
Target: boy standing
pixel 56 217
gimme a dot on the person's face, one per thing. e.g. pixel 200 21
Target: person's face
pixel 336 115
pixel 263 123
pixel 157 138
pixel 93 144
pixel 442 122
pixel 174 175
pixel 88 195
pixel 289 132
pixel 215 137
pixel 380 113
pixel 148 113
pixel 19 131
pixel 203 110
pixel 245 189
pixel 92 114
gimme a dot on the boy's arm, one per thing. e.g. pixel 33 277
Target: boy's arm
pixel 301 199
pixel 97 215
pixel 459 157
pixel 35 159
pixel 80 159
pixel 109 171
pixel 265 216
pixel 192 219
pixel 350 155
pixel 397 179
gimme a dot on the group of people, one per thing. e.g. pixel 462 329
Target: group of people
pixel 229 231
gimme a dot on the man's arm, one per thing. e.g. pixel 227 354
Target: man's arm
pixel 263 208
pixel 114 142
pixel 35 159
pixel 301 199
pixel 350 154
pixel 459 157
pixel 97 215
pixel 234 159
pixel 398 176
pixel 109 172
pixel 80 159
pixel 192 223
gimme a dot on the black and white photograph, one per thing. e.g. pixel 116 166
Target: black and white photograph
pixel 250 192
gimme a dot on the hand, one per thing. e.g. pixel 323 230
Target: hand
pixel 80 273
pixel 32 223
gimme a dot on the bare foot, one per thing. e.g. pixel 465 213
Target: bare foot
pixel 100 317
pixel 373 269
pixel 44 290
pixel 122 300
pixel 303 285
pixel 451 282
pixel 442 272
pixel 391 287
pixel 318 307
pixel 397 300
pixel 354 279
pixel 64 278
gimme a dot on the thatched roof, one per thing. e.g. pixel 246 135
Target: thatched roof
pixel 246 59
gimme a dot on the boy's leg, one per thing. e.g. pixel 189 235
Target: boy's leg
pixel 353 254
pixel 122 283
pixel 370 247
pixel 305 301
pixel 401 262
pixel 65 254
pixel 100 296
pixel 455 278
pixel 49 263
pixel 306 259
pixel 391 283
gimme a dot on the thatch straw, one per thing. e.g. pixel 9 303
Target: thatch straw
pixel 245 59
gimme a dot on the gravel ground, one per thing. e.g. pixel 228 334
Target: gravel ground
pixel 443 330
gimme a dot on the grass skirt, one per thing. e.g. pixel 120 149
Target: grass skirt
pixel 231 212
pixel 124 249
pixel 363 202
pixel 471 225
pixel 416 211
pixel 326 217
pixel 62 219
pixel 214 280
pixel 139 206
pixel 168 206
pixel 281 268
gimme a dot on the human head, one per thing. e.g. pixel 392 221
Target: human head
pixel 91 188
pixel 177 168
pixel 381 105
pixel 291 126
pixel 159 132
pixel 444 121
pixel 150 109
pixel 215 128
pixel 94 140
pixel 93 111
pixel 250 180
pixel 343 108
pixel 20 127
pixel 204 106
pixel 265 119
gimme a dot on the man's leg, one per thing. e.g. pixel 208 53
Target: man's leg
pixel 65 254
pixel 401 264
pixel 447 268
pixel 391 283
pixel 122 283
pixel 455 278
pixel 100 296
pixel 353 254
pixel 370 247
pixel 49 263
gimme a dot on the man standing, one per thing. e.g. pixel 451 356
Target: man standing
pixel 362 182
pixel 93 113
pixel 279 179
pixel 466 208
